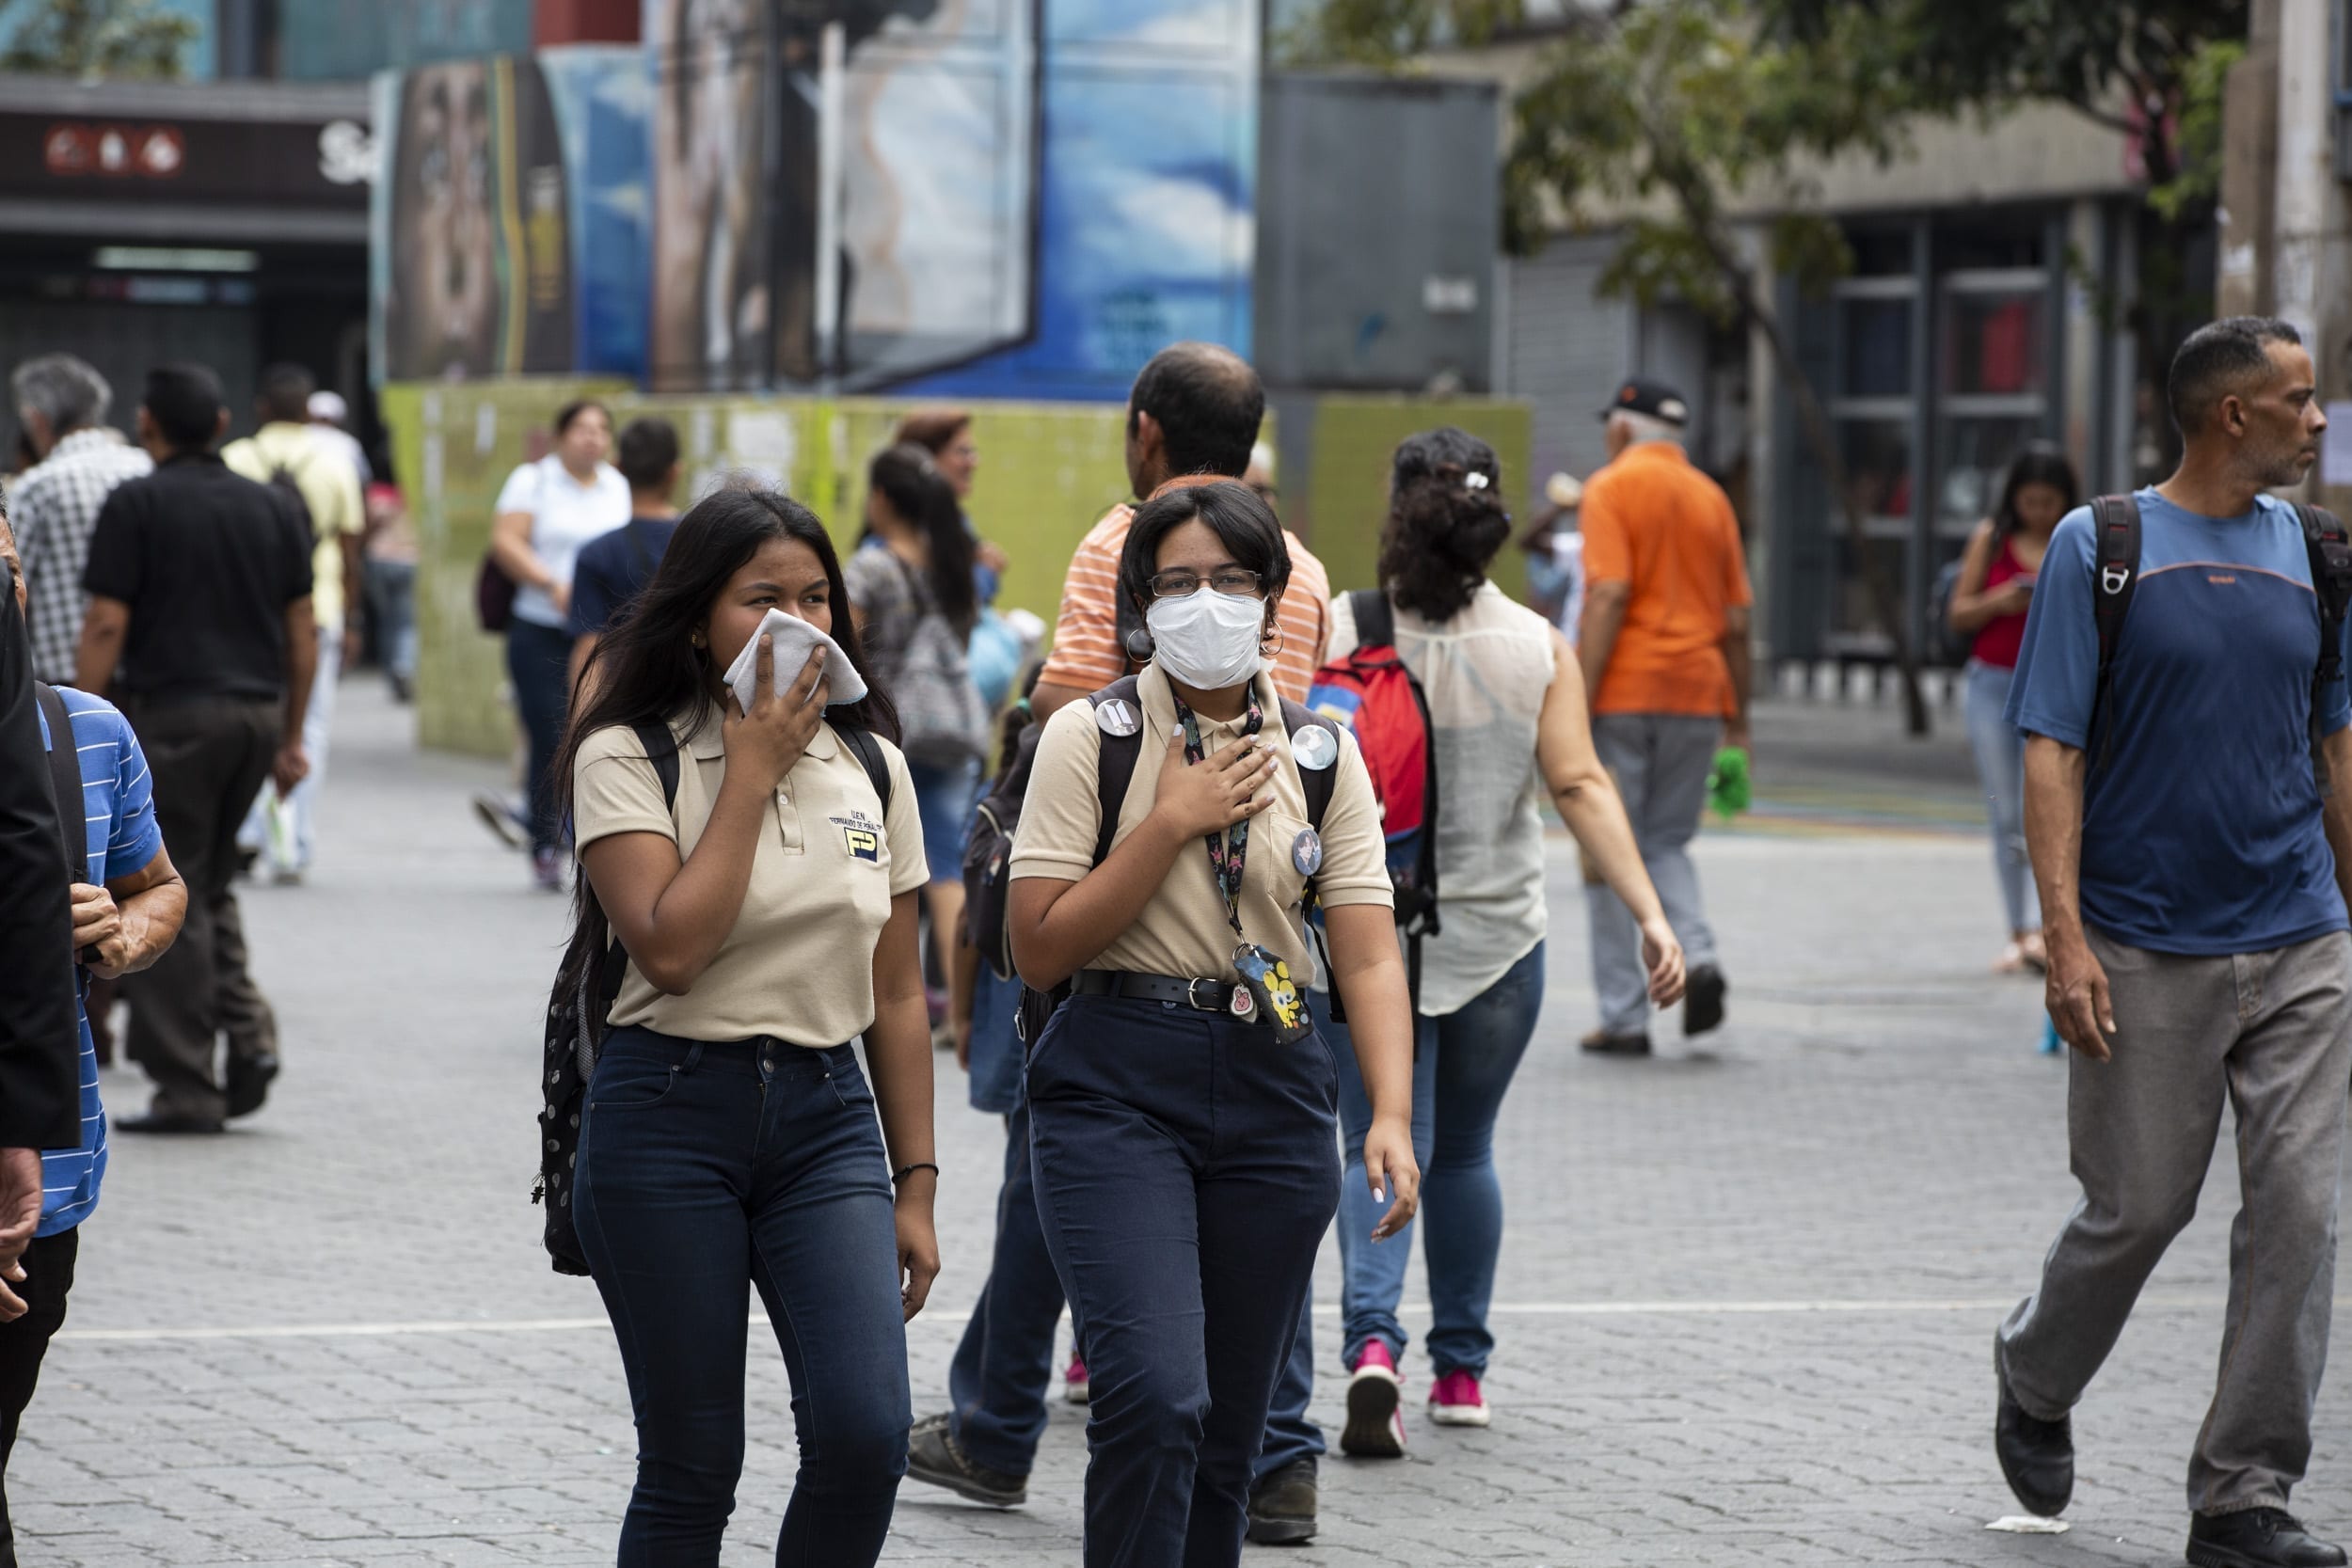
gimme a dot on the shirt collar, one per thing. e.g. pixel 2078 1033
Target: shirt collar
pixel 74 443
pixel 705 736
pixel 1662 452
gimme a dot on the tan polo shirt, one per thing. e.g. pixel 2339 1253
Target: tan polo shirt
pixel 799 963
pixel 1183 930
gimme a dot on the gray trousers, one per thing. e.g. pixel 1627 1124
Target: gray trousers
pixel 2266 1031
pixel 1660 762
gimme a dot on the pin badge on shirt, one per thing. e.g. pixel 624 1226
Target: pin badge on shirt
pixel 1117 717
pixel 1307 852
pixel 1314 748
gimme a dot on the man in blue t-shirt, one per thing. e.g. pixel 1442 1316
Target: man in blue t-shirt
pixel 614 568
pixel 2193 881
pixel 125 915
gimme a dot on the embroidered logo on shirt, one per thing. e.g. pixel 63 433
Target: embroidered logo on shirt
pixel 862 834
pixel 2223 580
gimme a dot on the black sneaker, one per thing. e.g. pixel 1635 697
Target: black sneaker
pixel 2257 1538
pixel 1601 1043
pixel 1703 1000
pixel 1283 1505
pixel 2037 1456
pixel 933 1455
pixel 248 1082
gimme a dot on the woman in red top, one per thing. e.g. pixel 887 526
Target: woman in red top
pixel 1989 603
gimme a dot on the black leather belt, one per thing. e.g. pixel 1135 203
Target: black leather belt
pixel 1208 996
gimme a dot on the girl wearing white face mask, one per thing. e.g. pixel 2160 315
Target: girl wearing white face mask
pixel 1183 1104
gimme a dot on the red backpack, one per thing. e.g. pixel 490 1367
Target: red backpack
pixel 1376 696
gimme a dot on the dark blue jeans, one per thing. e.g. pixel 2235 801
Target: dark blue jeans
pixel 705 1165
pixel 1464 1066
pixel 1186 1172
pixel 538 662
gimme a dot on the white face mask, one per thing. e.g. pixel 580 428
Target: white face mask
pixel 1207 640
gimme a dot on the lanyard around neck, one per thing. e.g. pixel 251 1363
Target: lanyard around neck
pixel 1228 851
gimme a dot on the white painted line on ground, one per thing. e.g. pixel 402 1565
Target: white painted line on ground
pixel 1418 1309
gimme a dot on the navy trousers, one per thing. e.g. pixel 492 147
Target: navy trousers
pixel 1187 1166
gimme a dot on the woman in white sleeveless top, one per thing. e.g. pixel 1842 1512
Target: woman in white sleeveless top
pixel 1507 712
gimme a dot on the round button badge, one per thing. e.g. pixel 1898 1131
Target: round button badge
pixel 1117 717
pixel 1307 852
pixel 1314 749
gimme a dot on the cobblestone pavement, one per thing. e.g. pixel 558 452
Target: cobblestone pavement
pixel 1744 1310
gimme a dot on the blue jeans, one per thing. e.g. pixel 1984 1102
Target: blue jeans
pixel 1185 1173
pixel 943 801
pixel 1463 1067
pixel 2000 750
pixel 705 1165
pixel 538 662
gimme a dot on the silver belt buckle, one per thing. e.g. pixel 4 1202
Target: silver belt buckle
pixel 1192 996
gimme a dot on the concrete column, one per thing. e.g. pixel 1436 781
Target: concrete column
pixel 2312 258
pixel 2250 158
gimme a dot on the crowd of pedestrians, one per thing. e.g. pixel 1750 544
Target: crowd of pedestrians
pixel 1236 916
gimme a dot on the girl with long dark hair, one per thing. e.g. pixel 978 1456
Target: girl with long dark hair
pixel 1508 723
pixel 1989 606
pixel 911 589
pixel 1181 1102
pixel 768 913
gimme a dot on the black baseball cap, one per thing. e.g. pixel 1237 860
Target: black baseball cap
pixel 1640 394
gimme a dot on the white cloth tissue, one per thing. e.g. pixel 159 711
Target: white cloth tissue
pixel 794 638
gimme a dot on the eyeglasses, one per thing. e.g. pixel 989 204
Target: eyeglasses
pixel 1226 579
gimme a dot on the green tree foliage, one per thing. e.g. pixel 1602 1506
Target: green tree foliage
pixel 95 39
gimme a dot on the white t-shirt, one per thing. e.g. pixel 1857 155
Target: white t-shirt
pixel 565 514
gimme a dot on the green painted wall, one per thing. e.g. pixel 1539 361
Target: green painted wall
pixel 1047 471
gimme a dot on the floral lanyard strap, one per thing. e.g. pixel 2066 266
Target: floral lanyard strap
pixel 1266 988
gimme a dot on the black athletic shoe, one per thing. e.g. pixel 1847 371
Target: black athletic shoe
pixel 2037 1456
pixel 1599 1043
pixel 934 1456
pixel 1703 1000
pixel 166 1122
pixel 248 1082
pixel 2257 1538
pixel 1283 1506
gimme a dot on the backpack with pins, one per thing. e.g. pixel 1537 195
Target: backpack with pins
pixel 2115 526
pixel 1118 714
pixel 581 1005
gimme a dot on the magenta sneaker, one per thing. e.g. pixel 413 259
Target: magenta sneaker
pixel 1455 1401
pixel 1376 1417
pixel 1074 1387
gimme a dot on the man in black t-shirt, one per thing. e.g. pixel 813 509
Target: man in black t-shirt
pixel 614 568
pixel 199 584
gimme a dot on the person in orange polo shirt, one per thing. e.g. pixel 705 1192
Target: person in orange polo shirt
pixel 1665 646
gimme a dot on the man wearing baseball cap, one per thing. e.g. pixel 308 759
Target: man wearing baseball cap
pixel 1665 650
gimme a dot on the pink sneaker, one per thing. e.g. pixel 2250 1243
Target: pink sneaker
pixel 1455 1401
pixel 1376 1420
pixel 1074 1388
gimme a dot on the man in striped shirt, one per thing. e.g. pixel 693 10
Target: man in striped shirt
pixel 125 913
pixel 1194 409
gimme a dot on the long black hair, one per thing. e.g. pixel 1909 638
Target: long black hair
pixel 645 668
pixel 2041 463
pixel 918 493
pixel 1446 521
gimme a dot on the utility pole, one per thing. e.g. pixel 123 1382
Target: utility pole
pixel 2311 238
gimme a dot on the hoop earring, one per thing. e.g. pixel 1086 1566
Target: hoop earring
pixel 1139 646
pixel 1275 652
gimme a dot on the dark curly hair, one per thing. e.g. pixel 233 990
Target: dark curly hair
pixel 1446 521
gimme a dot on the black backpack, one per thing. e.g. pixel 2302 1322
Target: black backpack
pixel 988 855
pixel 581 1000
pixel 65 787
pixel 1113 772
pixel 2115 522
pixel 284 480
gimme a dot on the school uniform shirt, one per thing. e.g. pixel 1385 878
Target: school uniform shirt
pixel 1184 930
pixel 565 516
pixel 798 964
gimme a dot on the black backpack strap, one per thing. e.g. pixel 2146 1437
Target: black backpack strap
pixel 1375 621
pixel 65 779
pixel 2115 574
pixel 1115 767
pixel 662 750
pixel 870 756
pixel 1317 781
pixel 2330 552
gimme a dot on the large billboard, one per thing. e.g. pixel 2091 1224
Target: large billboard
pixel 1016 198
pixel 844 187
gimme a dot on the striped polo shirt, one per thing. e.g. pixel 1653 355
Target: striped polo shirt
pixel 118 827
pixel 1086 653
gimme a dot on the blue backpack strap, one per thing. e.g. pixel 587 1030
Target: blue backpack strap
pixel 2115 524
